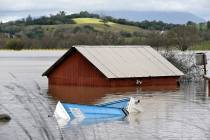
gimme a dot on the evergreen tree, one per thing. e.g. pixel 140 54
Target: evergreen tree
pixel 208 25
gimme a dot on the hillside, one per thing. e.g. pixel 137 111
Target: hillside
pixel 96 24
pixel 83 31
pixel 99 25
pixel 63 31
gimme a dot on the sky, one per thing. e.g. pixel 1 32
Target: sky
pixel 9 8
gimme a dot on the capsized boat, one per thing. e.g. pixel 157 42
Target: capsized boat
pixel 115 109
pixel 122 103
pixel 88 121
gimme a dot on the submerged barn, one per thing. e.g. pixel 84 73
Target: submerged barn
pixel 112 66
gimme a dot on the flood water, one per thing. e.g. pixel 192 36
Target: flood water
pixel 169 113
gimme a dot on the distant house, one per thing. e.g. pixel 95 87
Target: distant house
pixel 112 66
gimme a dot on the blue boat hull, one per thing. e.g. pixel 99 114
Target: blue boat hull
pixel 121 104
pixel 87 114
pixel 88 111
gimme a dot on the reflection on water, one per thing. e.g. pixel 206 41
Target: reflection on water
pixel 90 95
pixel 168 114
pixel 87 95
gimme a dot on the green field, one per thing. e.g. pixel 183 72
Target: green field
pixel 202 46
pixel 90 21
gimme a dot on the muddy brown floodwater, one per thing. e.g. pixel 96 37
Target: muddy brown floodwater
pixel 169 113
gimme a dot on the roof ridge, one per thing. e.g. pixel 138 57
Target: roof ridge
pixel 110 46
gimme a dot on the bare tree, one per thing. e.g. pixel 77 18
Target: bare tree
pixel 184 37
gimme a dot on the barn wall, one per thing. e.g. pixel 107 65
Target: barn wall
pixel 78 71
pixel 152 81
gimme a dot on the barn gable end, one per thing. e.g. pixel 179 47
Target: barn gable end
pixel 76 70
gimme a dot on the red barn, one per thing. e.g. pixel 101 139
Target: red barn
pixel 112 66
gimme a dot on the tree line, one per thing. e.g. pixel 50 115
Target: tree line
pixel 181 38
pixel 62 18
pixel 30 33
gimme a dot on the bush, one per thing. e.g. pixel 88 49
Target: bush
pixel 185 62
pixel 36 32
pixel 125 34
pixel 15 44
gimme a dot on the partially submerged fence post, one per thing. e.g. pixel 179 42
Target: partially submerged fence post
pixel 201 60
pixel 208 82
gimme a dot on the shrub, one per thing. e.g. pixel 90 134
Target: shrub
pixel 15 44
pixel 125 34
pixel 185 62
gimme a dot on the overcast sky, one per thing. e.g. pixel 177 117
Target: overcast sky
pixel 198 7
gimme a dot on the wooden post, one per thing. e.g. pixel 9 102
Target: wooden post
pixel 204 63
pixel 201 60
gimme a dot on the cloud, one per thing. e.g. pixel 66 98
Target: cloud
pixel 200 7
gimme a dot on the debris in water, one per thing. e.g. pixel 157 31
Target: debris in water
pixel 4 118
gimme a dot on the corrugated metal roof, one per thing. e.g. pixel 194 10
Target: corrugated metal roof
pixel 128 61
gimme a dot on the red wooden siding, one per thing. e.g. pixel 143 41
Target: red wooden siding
pixel 78 71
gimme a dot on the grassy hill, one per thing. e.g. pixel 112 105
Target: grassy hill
pixel 90 21
pixel 97 24
pixel 83 31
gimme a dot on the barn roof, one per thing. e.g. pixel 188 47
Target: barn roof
pixel 124 61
